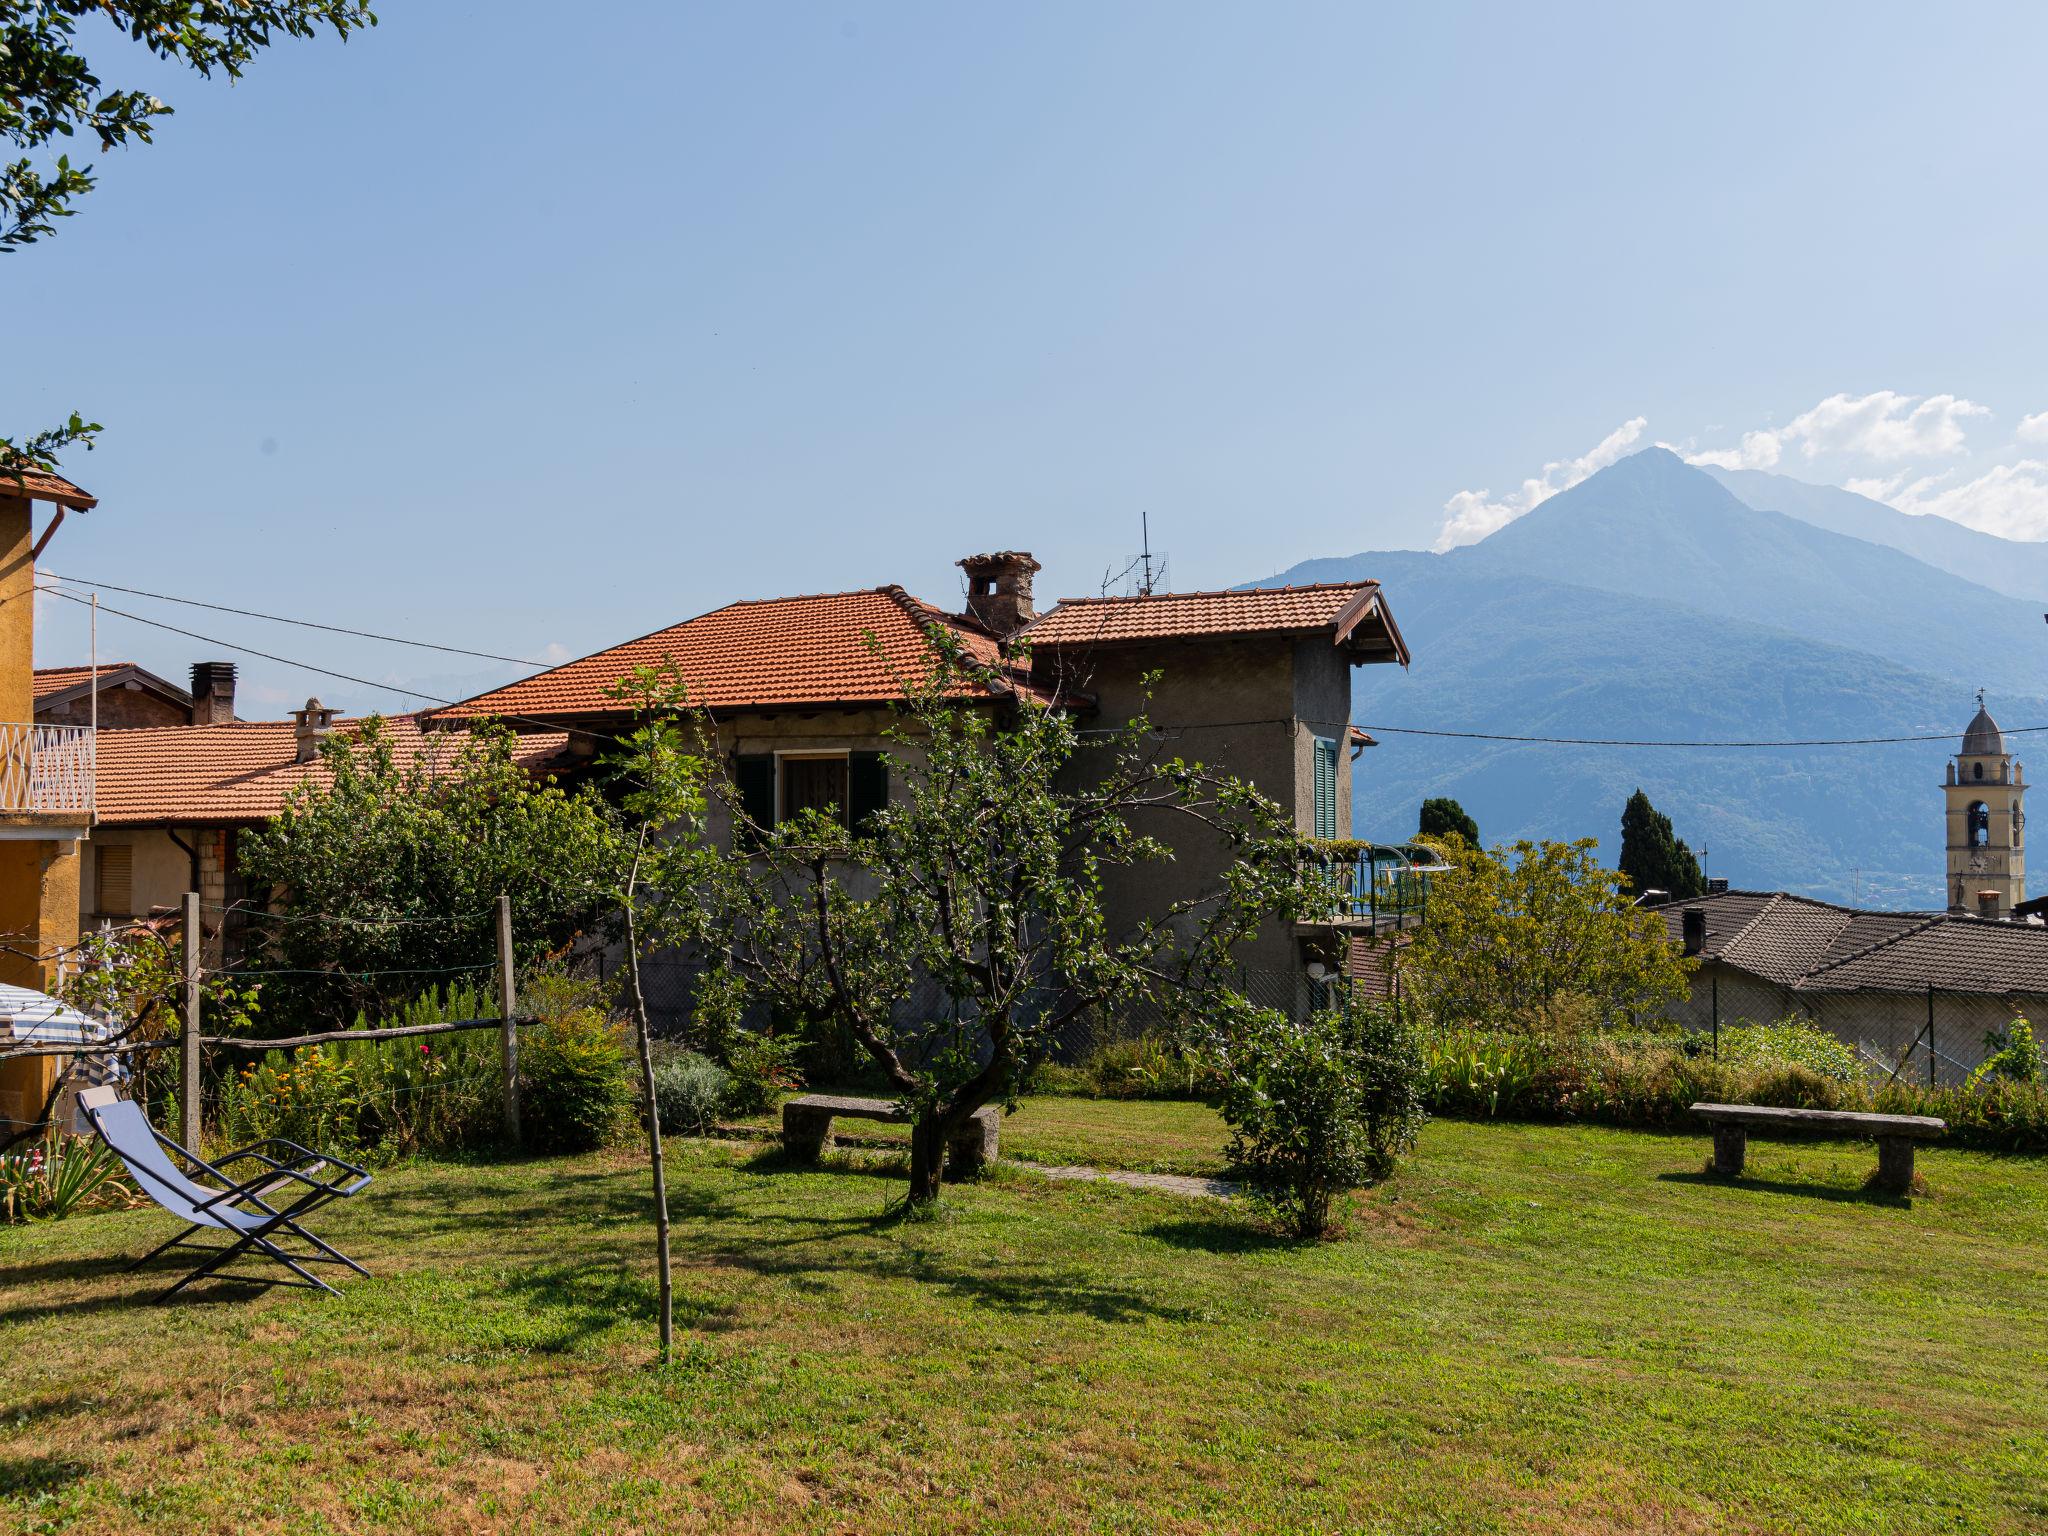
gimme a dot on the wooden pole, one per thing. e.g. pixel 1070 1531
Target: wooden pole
pixel 508 1029
pixel 188 1077
pixel 650 1109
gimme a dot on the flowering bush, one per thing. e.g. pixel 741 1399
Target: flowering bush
pixel 58 1177
pixel 309 1097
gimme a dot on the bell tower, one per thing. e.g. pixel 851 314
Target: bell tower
pixel 1987 828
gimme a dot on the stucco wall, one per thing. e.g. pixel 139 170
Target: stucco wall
pixel 162 871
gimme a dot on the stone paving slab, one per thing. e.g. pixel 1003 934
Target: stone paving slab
pixel 1171 1183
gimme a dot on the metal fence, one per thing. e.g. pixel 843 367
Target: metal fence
pixel 1934 1036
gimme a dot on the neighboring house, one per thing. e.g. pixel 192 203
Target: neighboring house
pixel 173 798
pixel 1875 979
pixel 46 783
pixel 801 690
pixel 130 696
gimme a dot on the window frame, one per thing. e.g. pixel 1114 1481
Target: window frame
pixel 842 755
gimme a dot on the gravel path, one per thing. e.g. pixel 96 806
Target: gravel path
pixel 1171 1183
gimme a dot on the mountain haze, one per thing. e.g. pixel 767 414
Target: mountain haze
pixel 1650 603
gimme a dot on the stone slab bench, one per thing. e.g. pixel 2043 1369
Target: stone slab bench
pixel 1895 1135
pixel 807 1129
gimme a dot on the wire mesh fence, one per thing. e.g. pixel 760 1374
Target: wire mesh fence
pixel 1934 1036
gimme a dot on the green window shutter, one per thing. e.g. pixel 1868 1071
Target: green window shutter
pixel 753 774
pixel 867 786
pixel 1326 787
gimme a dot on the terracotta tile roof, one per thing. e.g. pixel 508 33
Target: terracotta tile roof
pixel 212 775
pixel 1814 946
pixel 54 680
pixel 41 485
pixel 778 652
pixel 1354 610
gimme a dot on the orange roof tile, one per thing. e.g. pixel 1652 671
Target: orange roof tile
pixel 42 485
pixel 52 680
pixel 209 775
pixel 768 653
pixel 1355 610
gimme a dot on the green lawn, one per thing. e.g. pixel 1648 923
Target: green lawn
pixel 1530 1329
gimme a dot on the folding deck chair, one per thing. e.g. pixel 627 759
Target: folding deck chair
pixel 256 1213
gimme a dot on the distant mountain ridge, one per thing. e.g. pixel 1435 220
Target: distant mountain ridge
pixel 1651 603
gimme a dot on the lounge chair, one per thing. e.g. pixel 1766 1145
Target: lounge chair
pixel 258 1213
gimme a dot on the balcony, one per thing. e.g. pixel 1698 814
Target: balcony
pixel 46 771
pixel 1379 885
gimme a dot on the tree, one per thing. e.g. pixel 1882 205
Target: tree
pixel 1442 816
pixel 391 861
pixel 48 92
pixel 978 888
pixel 1652 856
pixel 1516 938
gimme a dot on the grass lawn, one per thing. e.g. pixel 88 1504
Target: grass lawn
pixel 1530 1329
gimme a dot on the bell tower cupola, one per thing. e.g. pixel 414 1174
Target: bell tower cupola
pixel 1987 826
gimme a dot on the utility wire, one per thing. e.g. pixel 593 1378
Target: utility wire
pixel 1608 741
pixel 278 618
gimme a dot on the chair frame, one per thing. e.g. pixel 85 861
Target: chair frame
pixel 250 1197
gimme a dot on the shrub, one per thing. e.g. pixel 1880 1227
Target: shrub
pixel 762 1067
pixel 1792 1042
pixel 307 1096
pixel 58 1177
pixel 1319 1107
pixel 2014 1056
pixel 1142 1067
pixel 574 1086
pixel 690 1092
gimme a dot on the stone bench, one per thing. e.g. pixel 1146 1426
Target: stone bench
pixel 1895 1135
pixel 807 1129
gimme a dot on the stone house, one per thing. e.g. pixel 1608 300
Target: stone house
pixel 801 689
pixel 1881 981
pixel 131 696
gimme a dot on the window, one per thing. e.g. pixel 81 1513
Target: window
pixel 1326 787
pixel 1978 819
pixel 813 782
pixel 114 880
pixel 1976 770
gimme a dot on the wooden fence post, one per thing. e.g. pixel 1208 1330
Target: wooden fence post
pixel 188 1078
pixel 508 1032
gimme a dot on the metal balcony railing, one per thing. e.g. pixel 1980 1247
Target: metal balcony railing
pixel 1379 884
pixel 46 768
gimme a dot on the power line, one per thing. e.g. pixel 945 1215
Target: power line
pixel 1609 741
pixel 278 618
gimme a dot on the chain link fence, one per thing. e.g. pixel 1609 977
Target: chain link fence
pixel 1937 1037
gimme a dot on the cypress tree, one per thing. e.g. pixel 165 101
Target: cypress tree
pixel 1653 857
pixel 1442 814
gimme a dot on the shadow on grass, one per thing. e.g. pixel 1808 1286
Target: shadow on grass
pixel 586 1299
pixel 35 1477
pixel 1216 1236
pixel 1865 1195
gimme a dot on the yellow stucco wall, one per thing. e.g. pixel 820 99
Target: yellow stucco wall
pixel 17 610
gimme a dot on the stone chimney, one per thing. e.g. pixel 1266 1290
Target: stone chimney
pixel 213 692
pixel 312 725
pixel 999 590
pixel 1987 903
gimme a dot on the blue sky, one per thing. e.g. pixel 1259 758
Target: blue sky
pixel 529 336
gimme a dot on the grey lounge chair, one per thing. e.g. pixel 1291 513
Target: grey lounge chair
pixel 257 1213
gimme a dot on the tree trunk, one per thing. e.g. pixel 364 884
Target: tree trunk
pixel 651 1112
pixel 927 1159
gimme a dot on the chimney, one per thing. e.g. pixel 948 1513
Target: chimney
pixel 1987 903
pixel 999 590
pixel 312 725
pixel 213 692
pixel 1717 885
pixel 1695 929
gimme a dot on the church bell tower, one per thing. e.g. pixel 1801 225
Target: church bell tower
pixel 1987 829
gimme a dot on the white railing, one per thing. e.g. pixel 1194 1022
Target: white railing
pixel 46 768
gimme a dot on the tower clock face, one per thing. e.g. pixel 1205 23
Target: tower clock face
pixel 1978 863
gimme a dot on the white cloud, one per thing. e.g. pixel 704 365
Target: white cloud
pixel 1884 425
pixel 1470 516
pixel 554 653
pixel 2034 428
pixel 2010 500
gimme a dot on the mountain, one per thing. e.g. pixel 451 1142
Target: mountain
pixel 2014 567
pixel 1650 603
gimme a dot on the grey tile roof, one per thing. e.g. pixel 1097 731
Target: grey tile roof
pixel 1815 946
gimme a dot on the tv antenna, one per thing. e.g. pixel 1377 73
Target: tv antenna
pixel 1145 527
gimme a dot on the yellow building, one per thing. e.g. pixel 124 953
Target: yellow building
pixel 46 782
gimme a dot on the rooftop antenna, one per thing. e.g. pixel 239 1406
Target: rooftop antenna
pixel 1145 525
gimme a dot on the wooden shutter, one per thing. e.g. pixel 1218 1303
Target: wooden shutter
pixel 867 777
pixel 114 874
pixel 1326 787
pixel 753 774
